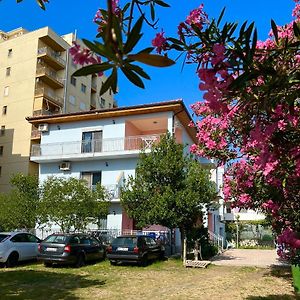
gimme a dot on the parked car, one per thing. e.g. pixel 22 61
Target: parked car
pixel 134 248
pixel 17 246
pixel 74 249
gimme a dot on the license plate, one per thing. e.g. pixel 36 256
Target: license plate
pixel 122 249
pixel 51 249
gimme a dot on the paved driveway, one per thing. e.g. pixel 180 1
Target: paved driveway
pixel 248 257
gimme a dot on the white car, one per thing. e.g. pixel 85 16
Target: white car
pixel 17 246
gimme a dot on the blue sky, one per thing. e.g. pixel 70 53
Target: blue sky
pixel 168 83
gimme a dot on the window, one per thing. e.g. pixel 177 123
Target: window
pixel 91 141
pixel 0 171
pixel 109 105
pixel 9 53
pixel 8 71
pixel 73 80
pixel 6 91
pixel 83 88
pixel 4 110
pixel 1 150
pixel 102 103
pixel 72 99
pixel 2 130
pixel 92 178
pixel 82 106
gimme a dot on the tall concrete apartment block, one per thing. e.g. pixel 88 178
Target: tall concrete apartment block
pixel 36 79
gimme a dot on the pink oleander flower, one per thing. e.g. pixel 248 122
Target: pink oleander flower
pixel 197 17
pixel 159 42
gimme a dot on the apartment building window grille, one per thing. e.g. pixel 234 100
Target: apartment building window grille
pixel 2 130
pixel 73 80
pixel 0 171
pixel 91 141
pixel 6 91
pixel 1 150
pixel 8 71
pixel 102 103
pixel 9 53
pixel 4 110
pixel 109 105
pixel 92 178
pixel 72 99
pixel 83 88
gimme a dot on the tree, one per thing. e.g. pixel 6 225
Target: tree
pixel 169 188
pixel 19 208
pixel 70 204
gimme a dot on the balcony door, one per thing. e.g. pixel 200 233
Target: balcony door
pixel 92 178
pixel 91 141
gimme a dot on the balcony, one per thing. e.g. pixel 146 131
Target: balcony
pixel 50 77
pixel 113 191
pixel 44 112
pixel 93 149
pixel 49 94
pixel 51 57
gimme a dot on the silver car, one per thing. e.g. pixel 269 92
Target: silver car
pixel 17 246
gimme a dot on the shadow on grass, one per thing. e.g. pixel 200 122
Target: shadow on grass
pixel 281 272
pixel 272 297
pixel 31 284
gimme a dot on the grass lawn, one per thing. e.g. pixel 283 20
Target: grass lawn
pixel 161 280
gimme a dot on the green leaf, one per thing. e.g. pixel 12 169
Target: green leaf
pixel 162 3
pixel 41 4
pixel 296 30
pixel 134 36
pixel 221 16
pixel 146 50
pixel 92 69
pixel 117 30
pixel 110 82
pixel 152 59
pixel 126 7
pixel 105 51
pixel 275 30
pixel 131 76
pixel 92 46
pixel 138 70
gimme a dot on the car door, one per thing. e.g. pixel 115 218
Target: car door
pixel 96 248
pixel 153 248
pixel 32 244
pixel 21 245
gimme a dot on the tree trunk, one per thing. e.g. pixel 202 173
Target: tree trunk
pixel 183 244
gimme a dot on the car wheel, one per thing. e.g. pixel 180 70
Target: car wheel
pixel 12 260
pixel 47 264
pixel 113 263
pixel 80 261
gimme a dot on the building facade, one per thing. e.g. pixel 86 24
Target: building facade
pixel 36 80
pixel 104 146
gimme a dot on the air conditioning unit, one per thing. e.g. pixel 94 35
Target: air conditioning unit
pixel 43 127
pixel 65 166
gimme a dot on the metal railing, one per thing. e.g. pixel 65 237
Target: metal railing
pixel 113 191
pixel 44 112
pixel 217 240
pixel 41 70
pixel 52 53
pixel 42 90
pixel 95 146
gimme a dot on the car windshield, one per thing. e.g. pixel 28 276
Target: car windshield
pixel 125 241
pixel 56 239
pixel 3 237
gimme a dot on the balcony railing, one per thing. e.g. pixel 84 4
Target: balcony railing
pixel 55 55
pixel 95 146
pixel 44 112
pixel 49 93
pixel 41 70
pixel 113 191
